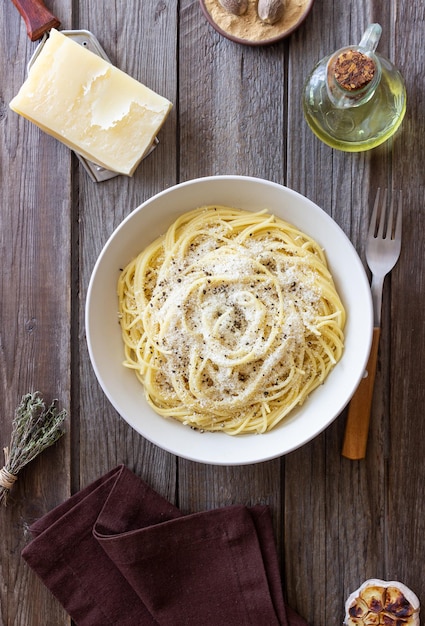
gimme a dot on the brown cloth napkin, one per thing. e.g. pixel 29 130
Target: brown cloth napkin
pixel 117 553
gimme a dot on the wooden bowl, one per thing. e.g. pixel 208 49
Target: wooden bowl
pixel 248 29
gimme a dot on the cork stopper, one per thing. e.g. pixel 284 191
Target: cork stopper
pixel 353 70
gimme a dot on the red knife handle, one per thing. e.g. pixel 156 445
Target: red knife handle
pixel 37 17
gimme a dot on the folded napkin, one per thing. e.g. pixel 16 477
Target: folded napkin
pixel 117 553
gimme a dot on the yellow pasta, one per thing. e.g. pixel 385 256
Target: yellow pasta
pixel 230 320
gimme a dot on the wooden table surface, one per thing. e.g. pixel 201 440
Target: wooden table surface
pixel 237 110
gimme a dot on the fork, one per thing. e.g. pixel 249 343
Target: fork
pixel 383 247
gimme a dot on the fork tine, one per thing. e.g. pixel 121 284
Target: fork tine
pixel 375 216
pixel 397 232
pixel 395 219
pixel 394 222
pixel 390 221
pixel 381 216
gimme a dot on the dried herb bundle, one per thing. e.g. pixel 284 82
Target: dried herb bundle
pixel 35 428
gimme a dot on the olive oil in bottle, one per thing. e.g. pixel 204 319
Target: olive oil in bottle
pixel 355 99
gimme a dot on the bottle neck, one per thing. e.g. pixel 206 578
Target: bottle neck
pixel 352 76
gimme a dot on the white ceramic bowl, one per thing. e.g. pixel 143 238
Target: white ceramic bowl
pixel 121 386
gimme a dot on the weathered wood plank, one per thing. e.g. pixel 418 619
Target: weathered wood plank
pixel 232 103
pixel 341 503
pixel 405 385
pixel 230 123
pixel 35 177
pixel 141 40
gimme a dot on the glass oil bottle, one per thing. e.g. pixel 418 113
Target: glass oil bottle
pixel 355 99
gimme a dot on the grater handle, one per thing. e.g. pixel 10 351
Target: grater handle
pixel 37 17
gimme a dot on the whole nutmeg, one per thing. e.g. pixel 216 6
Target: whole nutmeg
pixel 270 11
pixel 236 7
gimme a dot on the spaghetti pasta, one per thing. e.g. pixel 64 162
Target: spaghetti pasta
pixel 230 319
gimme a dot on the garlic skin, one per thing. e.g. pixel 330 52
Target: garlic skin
pixel 378 602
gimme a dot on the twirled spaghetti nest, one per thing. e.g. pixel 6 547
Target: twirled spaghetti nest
pixel 230 319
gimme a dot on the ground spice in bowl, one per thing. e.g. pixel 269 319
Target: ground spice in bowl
pixel 248 28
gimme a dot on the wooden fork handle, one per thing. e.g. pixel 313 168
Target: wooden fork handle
pixel 37 17
pixel 358 418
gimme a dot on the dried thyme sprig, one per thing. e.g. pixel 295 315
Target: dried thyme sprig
pixel 34 428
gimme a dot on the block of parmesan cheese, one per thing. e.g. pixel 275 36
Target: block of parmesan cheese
pixel 91 106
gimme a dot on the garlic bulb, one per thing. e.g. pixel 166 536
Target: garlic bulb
pixel 379 602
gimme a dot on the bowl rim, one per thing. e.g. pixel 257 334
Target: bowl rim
pixel 225 457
